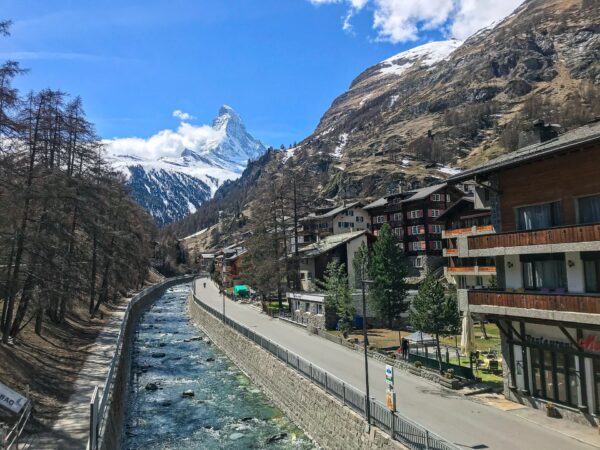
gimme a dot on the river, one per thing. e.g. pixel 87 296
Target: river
pixel 227 410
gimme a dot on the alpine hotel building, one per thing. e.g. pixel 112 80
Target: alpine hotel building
pixel 545 206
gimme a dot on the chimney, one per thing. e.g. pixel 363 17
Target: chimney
pixel 539 133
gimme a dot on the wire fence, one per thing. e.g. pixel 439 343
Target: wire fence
pixel 402 429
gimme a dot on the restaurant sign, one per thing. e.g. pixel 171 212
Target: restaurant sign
pixel 11 400
pixel 590 343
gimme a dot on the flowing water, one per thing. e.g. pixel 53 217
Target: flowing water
pixel 172 356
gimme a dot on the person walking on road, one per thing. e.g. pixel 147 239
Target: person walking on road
pixel 404 347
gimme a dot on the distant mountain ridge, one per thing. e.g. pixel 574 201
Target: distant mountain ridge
pixel 172 187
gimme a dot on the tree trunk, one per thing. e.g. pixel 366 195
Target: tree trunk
pixel 483 330
pixel 439 351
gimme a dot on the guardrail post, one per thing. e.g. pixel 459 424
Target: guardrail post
pixel 393 427
pixel 311 372
pixel 344 393
pixel 426 439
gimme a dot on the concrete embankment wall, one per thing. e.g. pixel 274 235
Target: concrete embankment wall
pixel 324 418
pixel 112 432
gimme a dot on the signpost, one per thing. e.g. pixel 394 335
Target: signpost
pixel 11 400
pixel 390 395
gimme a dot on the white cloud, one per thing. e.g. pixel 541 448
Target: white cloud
pixel 474 15
pixel 182 115
pixel 405 20
pixel 166 143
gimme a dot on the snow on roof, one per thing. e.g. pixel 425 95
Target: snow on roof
pixel 427 55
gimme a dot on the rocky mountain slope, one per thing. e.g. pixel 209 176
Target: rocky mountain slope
pixel 423 114
pixel 171 188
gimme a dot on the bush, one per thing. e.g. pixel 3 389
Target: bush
pixel 418 364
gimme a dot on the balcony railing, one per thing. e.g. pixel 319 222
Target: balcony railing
pixel 477 270
pixel 482 229
pixel 578 303
pixel 558 235
pixel 450 252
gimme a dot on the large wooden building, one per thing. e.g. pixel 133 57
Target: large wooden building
pixel 545 204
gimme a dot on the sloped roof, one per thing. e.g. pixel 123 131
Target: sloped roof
pixel 412 195
pixel 329 243
pixel 333 212
pixel 571 139
pixel 377 203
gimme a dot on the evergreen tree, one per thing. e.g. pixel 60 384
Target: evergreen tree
pixel 360 264
pixel 387 269
pixel 338 297
pixel 435 312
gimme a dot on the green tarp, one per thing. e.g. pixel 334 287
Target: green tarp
pixel 241 291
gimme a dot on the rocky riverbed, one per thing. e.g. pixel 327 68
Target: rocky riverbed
pixel 186 394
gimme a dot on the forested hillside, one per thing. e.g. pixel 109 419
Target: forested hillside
pixel 71 238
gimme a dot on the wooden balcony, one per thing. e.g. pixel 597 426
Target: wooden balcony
pixel 473 270
pixel 577 303
pixel 471 231
pixel 450 252
pixel 548 236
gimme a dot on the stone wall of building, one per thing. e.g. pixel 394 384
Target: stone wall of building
pixel 321 416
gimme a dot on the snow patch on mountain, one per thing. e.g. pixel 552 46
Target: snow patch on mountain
pixel 426 55
pixel 183 168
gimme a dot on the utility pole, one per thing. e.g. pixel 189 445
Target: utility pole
pixel 366 344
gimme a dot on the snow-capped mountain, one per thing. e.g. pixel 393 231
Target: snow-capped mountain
pixel 425 55
pixel 173 172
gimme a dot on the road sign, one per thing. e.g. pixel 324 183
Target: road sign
pixel 390 400
pixel 389 374
pixel 11 400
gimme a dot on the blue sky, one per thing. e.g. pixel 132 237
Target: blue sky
pixel 279 63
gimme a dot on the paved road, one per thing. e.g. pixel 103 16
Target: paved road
pixel 465 422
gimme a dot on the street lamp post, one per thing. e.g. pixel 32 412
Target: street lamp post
pixel 223 284
pixel 366 344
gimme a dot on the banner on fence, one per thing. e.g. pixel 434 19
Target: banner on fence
pixel 11 400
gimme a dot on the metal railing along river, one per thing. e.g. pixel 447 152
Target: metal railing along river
pixel 101 396
pixel 402 429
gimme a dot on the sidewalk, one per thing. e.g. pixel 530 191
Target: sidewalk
pixel 467 422
pixel 71 429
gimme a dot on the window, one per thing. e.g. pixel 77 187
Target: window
pixel 435 229
pixel 544 272
pixel 416 229
pixel 380 219
pixel 319 309
pixel 351 213
pixel 415 214
pixel 436 245
pixel 306 307
pixel 397 217
pixel 591 267
pixel 417 246
pixel 360 219
pixel 435 213
pixel 418 262
pixel 589 209
pixel 448 198
pixel 436 197
pixel 399 232
pixel 539 216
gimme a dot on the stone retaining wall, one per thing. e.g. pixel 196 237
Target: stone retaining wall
pixel 324 418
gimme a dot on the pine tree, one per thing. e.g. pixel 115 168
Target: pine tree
pixel 338 297
pixel 387 269
pixel 435 312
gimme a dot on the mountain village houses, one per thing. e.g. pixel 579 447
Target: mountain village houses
pixel 520 239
